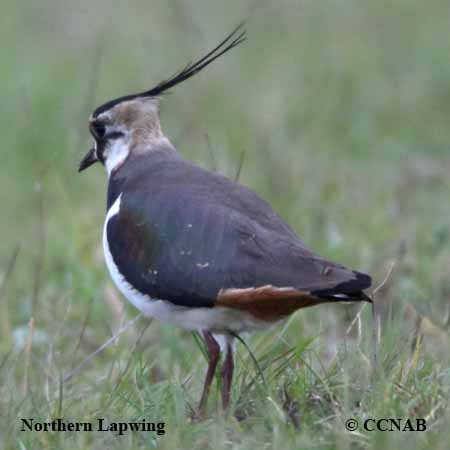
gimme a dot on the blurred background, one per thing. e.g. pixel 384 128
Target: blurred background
pixel 339 110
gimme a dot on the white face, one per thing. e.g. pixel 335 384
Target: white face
pixel 111 143
pixel 114 148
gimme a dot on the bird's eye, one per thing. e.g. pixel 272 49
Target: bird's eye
pixel 98 130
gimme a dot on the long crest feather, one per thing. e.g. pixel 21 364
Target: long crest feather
pixel 236 37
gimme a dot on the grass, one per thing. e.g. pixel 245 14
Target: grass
pixel 341 108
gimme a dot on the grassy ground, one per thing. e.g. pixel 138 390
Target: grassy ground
pixel 342 109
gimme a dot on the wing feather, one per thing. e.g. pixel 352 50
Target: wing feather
pixel 184 234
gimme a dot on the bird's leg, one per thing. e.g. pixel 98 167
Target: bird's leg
pixel 227 376
pixel 213 358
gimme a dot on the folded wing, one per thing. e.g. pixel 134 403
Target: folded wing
pixel 190 236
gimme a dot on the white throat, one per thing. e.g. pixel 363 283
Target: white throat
pixel 116 153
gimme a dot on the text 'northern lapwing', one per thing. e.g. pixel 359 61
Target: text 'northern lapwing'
pixel 193 248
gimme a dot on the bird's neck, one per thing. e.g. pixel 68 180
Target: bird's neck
pixel 140 169
pixel 139 142
pixel 144 140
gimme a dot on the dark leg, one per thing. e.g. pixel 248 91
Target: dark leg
pixel 227 376
pixel 213 358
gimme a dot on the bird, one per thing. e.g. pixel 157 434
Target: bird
pixel 193 248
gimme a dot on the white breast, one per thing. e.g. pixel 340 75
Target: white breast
pixel 217 319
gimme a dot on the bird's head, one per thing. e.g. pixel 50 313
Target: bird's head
pixel 131 123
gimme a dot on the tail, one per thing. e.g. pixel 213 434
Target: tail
pixel 351 291
pixel 271 303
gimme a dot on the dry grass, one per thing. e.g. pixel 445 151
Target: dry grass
pixel 341 111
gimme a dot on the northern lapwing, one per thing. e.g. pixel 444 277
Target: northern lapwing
pixel 193 248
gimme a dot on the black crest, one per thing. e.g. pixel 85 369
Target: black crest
pixel 232 40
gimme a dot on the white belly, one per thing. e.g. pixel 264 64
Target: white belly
pixel 216 319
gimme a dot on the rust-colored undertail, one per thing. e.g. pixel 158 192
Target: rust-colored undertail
pixel 268 303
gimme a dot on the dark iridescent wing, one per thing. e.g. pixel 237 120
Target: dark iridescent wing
pixel 184 234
